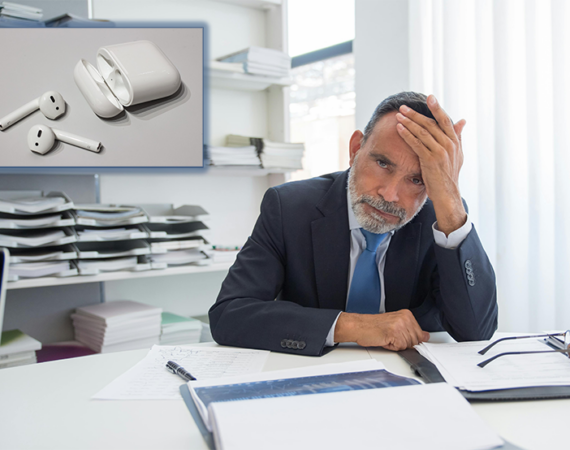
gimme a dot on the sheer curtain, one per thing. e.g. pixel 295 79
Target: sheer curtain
pixel 504 66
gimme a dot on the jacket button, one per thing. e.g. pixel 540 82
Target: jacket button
pixel 295 345
pixel 468 264
pixel 284 343
pixel 289 343
pixel 302 345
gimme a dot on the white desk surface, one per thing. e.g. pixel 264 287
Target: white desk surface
pixel 48 406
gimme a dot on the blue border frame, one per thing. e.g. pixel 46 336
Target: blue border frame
pixel 81 170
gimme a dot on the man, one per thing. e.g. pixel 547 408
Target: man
pixel 378 255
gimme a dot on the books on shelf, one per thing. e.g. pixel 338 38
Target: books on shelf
pixel 273 155
pixel 177 329
pixel 117 325
pixel 261 61
pixel 17 349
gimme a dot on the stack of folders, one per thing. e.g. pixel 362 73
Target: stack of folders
pixel 111 238
pixel 221 254
pixel 177 329
pixel 177 236
pixel 234 156
pixel 37 231
pixel 261 61
pixel 17 349
pixel 274 155
pixel 117 326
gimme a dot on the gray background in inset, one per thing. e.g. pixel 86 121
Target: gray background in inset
pixel 162 133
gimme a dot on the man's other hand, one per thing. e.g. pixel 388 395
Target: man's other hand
pixel 394 330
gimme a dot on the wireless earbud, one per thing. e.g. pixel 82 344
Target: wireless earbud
pixel 51 104
pixel 41 139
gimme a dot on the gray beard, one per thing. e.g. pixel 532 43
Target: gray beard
pixel 373 222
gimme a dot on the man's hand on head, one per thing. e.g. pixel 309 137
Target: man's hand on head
pixel 438 146
pixel 394 330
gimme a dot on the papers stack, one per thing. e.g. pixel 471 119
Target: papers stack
pixel 17 349
pixel 18 11
pixel 223 254
pixel 111 239
pixel 177 329
pixel 109 215
pixel 37 231
pixel 117 326
pixel 261 61
pixel 234 156
pixel 457 363
pixel 176 235
pixel 273 155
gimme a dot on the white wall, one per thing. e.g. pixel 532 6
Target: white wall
pixel 380 54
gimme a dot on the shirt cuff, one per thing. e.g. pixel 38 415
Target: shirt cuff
pixel 330 337
pixel 455 238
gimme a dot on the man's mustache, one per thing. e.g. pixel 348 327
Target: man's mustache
pixel 384 206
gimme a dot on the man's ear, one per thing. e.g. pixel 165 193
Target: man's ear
pixel 354 145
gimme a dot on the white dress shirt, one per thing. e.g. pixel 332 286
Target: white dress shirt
pixel 358 244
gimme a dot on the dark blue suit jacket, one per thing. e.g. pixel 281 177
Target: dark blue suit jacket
pixel 290 280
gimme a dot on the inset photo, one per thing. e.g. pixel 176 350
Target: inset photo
pixel 102 97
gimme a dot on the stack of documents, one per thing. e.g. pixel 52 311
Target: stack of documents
pixel 17 349
pixel 111 238
pixel 109 215
pixel 177 329
pixel 233 156
pixel 177 235
pixel 37 231
pixel 274 155
pixel 457 363
pixel 261 61
pixel 19 11
pixel 223 254
pixel 117 326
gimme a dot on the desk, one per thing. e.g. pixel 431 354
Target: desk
pixel 48 406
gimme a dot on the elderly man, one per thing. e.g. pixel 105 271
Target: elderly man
pixel 378 255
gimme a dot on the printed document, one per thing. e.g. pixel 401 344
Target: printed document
pixel 149 379
pixel 457 363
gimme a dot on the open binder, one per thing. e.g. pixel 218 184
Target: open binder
pixel 430 374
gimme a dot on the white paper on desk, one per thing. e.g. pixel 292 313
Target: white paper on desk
pixel 427 417
pixel 150 380
pixel 458 365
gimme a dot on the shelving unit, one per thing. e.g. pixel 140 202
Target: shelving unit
pixel 239 103
pixel 115 276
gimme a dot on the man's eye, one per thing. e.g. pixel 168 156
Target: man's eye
pixel 382 164
pixel 417 181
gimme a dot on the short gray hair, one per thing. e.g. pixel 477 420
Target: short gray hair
pixel 414 100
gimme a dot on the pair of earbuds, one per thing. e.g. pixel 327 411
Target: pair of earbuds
pixel 41 138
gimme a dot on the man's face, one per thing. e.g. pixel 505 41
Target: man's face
pixel 385 182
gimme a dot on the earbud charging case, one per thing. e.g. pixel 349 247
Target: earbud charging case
pixel 127 74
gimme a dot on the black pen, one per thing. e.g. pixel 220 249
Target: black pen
pixel 179 370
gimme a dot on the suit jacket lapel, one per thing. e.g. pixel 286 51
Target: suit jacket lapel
pixel 331 246
pixel 400 271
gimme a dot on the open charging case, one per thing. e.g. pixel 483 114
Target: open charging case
pixel 127 74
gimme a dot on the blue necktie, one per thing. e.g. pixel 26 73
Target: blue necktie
pixel 364 295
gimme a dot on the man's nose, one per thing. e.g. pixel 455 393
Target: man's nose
pixel 389 190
